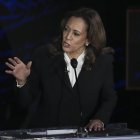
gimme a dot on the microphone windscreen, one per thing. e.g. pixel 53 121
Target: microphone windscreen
pixel 74 63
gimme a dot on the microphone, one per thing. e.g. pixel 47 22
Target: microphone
pixel 81 132
pixel 74 64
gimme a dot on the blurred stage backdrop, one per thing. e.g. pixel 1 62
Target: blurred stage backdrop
pixel 28 24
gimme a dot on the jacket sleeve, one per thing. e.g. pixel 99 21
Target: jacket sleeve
pixel 31 91
pixel 108 95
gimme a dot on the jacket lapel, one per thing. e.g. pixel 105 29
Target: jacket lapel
pixel 84 78
pixel 61 70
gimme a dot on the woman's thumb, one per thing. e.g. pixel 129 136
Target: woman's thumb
pixel 29 64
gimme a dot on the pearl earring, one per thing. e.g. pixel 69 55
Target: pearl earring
pixel 86 43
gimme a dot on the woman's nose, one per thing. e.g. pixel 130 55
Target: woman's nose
pixel 69 36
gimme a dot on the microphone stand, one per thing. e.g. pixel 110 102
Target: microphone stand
pixel 79 96
pixel 81 132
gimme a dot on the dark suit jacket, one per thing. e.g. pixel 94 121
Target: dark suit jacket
pixel 51 101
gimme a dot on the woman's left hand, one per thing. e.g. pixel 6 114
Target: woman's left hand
pixel 96 125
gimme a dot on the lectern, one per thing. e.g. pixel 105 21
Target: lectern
pixel 117 131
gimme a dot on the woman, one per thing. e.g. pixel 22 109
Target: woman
pixel 48 86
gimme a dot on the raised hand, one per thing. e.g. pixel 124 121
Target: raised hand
pixel 18 69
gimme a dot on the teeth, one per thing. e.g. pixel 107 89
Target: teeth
pixel 66 45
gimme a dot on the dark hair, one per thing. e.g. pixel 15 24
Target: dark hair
pixel 95 34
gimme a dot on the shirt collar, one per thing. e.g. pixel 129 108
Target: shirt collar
pixel 80 59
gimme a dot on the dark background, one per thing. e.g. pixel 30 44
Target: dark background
pixel 27 24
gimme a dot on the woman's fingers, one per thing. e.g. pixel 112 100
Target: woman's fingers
pixel 17 60
pixel 12 61
pixel 17 68
pixel 95 125
pixel 9 72
pixel 10 66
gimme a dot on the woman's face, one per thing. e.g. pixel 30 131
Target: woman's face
pixel 74 37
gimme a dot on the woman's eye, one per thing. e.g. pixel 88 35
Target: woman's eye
pixel 65 28
pixel 76 34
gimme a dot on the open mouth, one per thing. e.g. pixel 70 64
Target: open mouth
pixel 66 45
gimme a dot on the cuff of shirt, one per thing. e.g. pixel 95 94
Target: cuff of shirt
pixel 19 85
